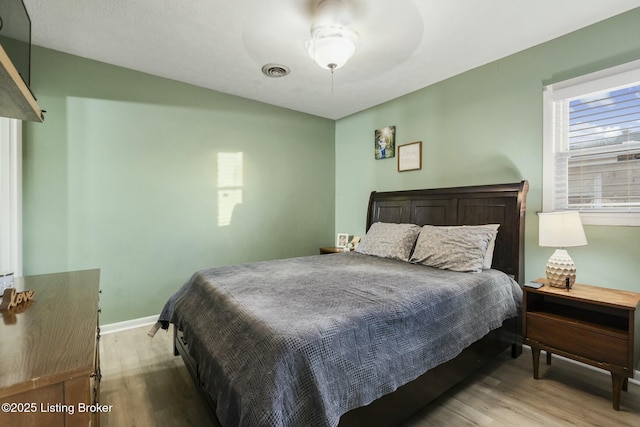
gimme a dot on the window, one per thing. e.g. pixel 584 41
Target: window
pixel 591 157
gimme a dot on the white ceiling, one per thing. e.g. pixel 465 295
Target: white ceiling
pixel 404 45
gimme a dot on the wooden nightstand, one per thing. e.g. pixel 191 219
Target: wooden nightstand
pixel 332 250
pixel 596 326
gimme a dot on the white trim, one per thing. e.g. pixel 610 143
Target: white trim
pixel 620 75
pixel 150 320
pixel 11 196
pixel 128 324
pixel 16 198
pixel 610 218
pixel 548 152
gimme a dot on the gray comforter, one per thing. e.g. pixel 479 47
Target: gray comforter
pixel 301 341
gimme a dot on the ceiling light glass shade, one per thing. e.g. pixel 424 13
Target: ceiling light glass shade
pixel 331 48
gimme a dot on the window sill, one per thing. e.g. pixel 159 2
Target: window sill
pixel 629 219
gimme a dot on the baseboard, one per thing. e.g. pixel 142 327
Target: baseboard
pixel 128 324
pixel 150 320
pixel 593 368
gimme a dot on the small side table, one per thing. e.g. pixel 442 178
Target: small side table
pixel 596 326
pixel 332 250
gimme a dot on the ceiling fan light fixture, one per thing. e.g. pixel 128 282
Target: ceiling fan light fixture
pixel 332 42
pixel 331 48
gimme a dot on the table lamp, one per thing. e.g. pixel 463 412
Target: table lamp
pixel 561 230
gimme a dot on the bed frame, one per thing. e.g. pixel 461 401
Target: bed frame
pixel 502 204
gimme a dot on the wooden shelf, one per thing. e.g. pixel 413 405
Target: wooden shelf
pixel 16 101
pixel 578 323
pixel 333 250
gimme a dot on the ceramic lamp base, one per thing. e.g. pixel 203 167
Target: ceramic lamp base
pixel 559 267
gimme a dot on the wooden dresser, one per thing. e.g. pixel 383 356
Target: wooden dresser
pixel 49 353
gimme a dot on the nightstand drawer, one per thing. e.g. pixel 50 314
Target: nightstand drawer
pixel 599 345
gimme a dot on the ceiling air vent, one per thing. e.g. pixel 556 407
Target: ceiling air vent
pixel 275 70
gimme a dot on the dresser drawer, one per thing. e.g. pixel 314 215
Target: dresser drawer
pixel 598 344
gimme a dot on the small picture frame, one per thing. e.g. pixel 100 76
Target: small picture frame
pixel 342 240
pixel 410 156
pixel 384 142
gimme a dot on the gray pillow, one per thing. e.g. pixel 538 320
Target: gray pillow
pixel 453 248
pixel 389 240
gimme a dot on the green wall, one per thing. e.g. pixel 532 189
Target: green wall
pixel 126 175
pixel 485 126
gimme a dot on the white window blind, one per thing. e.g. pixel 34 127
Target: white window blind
pixel 592 146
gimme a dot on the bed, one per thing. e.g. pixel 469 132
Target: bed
pixel 343 339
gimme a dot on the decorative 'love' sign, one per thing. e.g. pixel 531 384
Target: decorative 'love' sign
pixel 11 298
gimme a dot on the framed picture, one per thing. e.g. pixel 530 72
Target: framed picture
pixel 384 143
pixel 342 240
pixel 410 156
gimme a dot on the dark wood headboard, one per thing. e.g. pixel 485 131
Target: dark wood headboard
pixel 502 204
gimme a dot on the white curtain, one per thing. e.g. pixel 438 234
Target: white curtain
pixel 10 196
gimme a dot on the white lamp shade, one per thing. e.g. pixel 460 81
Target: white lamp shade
pixel 561 229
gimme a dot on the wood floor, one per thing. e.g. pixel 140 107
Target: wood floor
pixel 148 387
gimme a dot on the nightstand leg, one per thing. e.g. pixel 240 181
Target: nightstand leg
pixel 617 382
pixel 535 352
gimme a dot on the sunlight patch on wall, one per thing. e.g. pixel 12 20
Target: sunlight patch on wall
pixel 229 185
